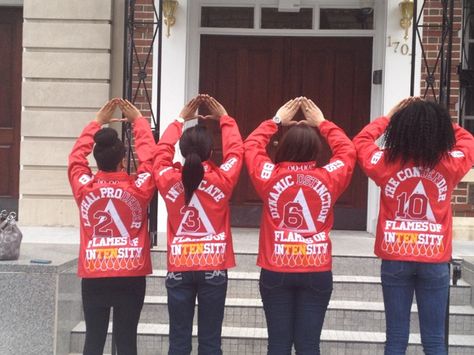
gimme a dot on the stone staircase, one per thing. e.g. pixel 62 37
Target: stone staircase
pixel 354 322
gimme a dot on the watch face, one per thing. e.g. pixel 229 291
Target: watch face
pixel 277 119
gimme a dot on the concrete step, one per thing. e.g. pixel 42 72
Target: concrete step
pixel 346 287
pixel 342 264
pixel 341 315
pixel 153 339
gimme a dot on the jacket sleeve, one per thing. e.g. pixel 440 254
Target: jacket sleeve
pixel 259 165
pixel 232 151
pixel 164 152
pixel 144 147
pixel 461 157
pixel 79 172
pixel 369 155
pixel 341 165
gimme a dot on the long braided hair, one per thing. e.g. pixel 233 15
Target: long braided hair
pixel 421 132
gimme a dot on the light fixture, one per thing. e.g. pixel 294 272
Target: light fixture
pixel 406 7
pixel 169 7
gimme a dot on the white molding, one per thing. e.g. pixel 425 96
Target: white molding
pixel 469 177
pixel 463 228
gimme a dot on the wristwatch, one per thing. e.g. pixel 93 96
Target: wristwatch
pixel 277 120
pixel 180 119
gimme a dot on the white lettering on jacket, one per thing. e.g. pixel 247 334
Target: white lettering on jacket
pixel 334 166
pixel 229 164
pixel 322 192
pixel 417 172
pixel 211 190
pixel 274 195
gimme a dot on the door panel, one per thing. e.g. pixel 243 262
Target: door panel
pixel 10 104
pixel 253 76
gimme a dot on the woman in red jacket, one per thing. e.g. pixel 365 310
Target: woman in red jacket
pixel 114 254
pixel 424 158
pixel 297 217
pixel 199 238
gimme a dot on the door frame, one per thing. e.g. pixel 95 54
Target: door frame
pixel 12 204
pixel 193 46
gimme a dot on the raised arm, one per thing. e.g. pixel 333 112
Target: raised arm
pixel 232 145
pixel 341 165
pixel 461 157
pixel 369 154
pixel 259 164
pixel 79 172
pixel 144 147
pixel 165 148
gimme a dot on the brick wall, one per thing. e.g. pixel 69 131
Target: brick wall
pixel 432 41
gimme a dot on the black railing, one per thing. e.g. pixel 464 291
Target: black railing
pixel 136 87
pixel 137 90
pixel 436 71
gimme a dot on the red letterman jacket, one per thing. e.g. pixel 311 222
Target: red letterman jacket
pixel 415 220
pixel 199 235
pixel 113 209
pixel 298 200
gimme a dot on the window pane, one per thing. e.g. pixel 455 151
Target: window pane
pixel 469 125
pixel 271 18
pixel 470 56
pixel 471 24
pixel 346 19
pixel 469 101
pixel 227 17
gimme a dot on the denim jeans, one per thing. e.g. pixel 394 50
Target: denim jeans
pixel 210 287
pixel 430 283
pixel 295 305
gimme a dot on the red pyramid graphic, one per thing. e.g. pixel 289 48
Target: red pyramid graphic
pixel 195 221
pixel 417 191
pixel 298 210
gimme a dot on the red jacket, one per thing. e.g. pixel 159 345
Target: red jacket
pixel 199 236
pixel 113 209
pixel 415 219
pixel 298 200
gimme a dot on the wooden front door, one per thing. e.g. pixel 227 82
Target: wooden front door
pixel 11 20
pixel 254 76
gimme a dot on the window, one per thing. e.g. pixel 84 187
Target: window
pixel 346 19
pixel 227 17
pixel 272 18
pixel 466 75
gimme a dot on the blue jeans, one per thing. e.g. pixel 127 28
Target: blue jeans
pixel 430 283
pixel 210 287
pixel 295 305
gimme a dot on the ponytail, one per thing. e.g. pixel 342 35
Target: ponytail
pixel 191 175
pixel 195 145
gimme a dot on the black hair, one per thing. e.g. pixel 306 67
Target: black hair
pixel 195 145
pixel 300 144
pixel 108 150
pixel 422 132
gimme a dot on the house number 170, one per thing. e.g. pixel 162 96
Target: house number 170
pixel 404 48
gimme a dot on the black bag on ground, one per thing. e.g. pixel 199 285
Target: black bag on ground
pixel 10 237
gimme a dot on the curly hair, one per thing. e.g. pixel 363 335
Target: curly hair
pixel 421 132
